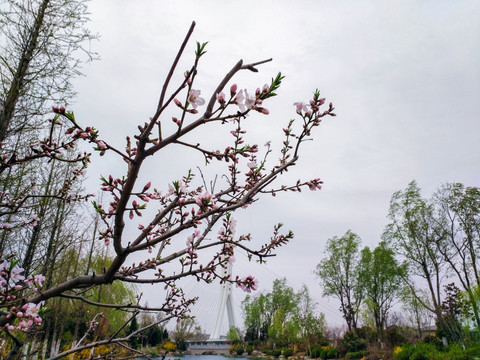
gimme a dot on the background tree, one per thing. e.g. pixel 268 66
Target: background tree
pixel 417 238
pixel 312 325
pixel 41 49
pixel 256 319
pixel 187 329
pixel 339 276
pixel 234 335
pixel 381 278
pixel 283 316
pixel 458 209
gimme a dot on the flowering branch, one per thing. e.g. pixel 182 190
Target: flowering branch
pixel 186 211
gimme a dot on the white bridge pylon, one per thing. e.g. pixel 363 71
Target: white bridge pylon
pixel 226 302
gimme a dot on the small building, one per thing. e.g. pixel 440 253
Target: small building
pixel 218 347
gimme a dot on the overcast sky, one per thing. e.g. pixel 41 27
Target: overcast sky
pixel 404 77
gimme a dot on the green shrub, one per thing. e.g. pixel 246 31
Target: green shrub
pixel 287 352
pixel 331 353
pixel 403 352
pixel 315 352
pixel 430 339
pixel 276 352
pixel 456 352
pixel 355 354
pixel 239 350
pixel 352 343
pixel 473 350
pixel 249 349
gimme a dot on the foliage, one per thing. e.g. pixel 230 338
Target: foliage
pixel 439 238
pixel 282 316
pixel 324 352
pixel 381 278
pixel 287 352
pixel 339 276
pixel 431 351
pixel 356 354
pixel 351 342
pixel 239 350
pixel 275 352
pixel 170 346
pixel 233 335
pixel 131 330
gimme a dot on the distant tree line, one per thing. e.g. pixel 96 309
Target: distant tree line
pixel 428 260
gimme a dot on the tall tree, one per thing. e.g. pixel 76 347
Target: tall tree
pixel 40 47
pixel 339 276
pixel 381 278
pixel 312 325
pixel 417 238
pixel 458 209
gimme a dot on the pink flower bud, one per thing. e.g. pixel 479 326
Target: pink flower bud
pixel 233 89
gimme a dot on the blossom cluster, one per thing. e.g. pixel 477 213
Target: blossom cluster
pixel 13 288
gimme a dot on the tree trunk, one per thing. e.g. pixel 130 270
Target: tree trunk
pixel 7 112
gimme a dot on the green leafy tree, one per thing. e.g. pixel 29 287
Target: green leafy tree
pixel 131 329
pixel 234 335
pixel 458 209
pixel 256 318
pixel 312 326
pixel 339 276
pixel 416 237
pixel 381 278
pixel 282 304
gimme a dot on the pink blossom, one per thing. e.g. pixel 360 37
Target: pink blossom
pixel 248 284
pixel 194 98
pixel 239 101
pixel 101 145
pixel 233 89
pixel 252 165
pixel 314 185
pixel 33 309
pixel 15 275
pixel 249 100
pixel 301 106
pixel 3 266
pixel 204 199
pixel 221 98
pixel 39 279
